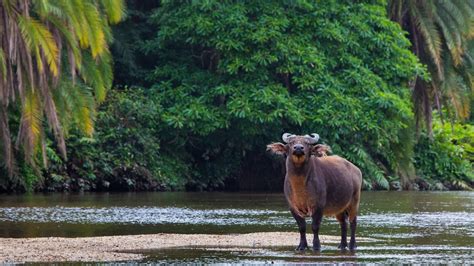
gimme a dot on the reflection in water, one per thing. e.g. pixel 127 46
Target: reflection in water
pixel 415 227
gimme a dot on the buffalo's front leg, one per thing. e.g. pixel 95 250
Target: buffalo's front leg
pixel 302 228
pixel 317 217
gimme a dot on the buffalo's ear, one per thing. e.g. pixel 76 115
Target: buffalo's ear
pixel 321 150
pixel 277 148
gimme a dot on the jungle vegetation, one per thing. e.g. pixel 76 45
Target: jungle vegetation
pixel 199 89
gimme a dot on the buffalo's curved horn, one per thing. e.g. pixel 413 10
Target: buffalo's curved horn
pixel 313 138
pixel 286 137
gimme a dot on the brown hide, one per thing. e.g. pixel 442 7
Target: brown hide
pixel 329 182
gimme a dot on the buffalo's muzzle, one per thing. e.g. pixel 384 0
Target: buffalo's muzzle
pixel 298 150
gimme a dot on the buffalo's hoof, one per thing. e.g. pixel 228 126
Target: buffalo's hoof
pixel 342 246
pixel 301 247
pixel 352 247
pixel 316 247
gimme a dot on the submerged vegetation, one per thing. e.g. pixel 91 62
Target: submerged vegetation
pixel 201 88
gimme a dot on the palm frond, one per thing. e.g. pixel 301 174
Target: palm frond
pixel 431 37
pixel 115 10
pixel 96 35
pixel 85 116
pixel 457 14
pixel 442 34
pixel 459 96
pixel 97 74
pixel 30 127
pixel 452 38
pixel 70 40
pixel 36 36
pixel 105 69
pixel 76 106
pixel 78 21
pixel 47 8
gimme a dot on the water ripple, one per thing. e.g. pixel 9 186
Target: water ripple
pixel 433 220
pixel 144 215
pixel 441 221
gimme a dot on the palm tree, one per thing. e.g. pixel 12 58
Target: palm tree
pixel 441 34
pixel 54 66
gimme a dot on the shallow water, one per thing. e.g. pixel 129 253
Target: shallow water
pixel 417 227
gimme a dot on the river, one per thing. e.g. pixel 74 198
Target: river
pixel 406 227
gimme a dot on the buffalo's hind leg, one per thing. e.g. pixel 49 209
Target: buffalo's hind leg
pixel 342 218
pixel 302 229
pixel 353 222
pixel 352 243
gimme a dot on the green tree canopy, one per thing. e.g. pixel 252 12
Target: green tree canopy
pixel 234 76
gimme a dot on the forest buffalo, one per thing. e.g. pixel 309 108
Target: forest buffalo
pixel 317 185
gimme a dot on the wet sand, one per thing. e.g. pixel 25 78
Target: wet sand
pixel 120 248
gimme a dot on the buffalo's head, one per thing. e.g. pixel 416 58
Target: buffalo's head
pixel 298 149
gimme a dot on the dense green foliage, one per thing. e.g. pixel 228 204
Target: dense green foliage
pixel 202 87
pixel 449 157
pixel 124 153
pixel 234 76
